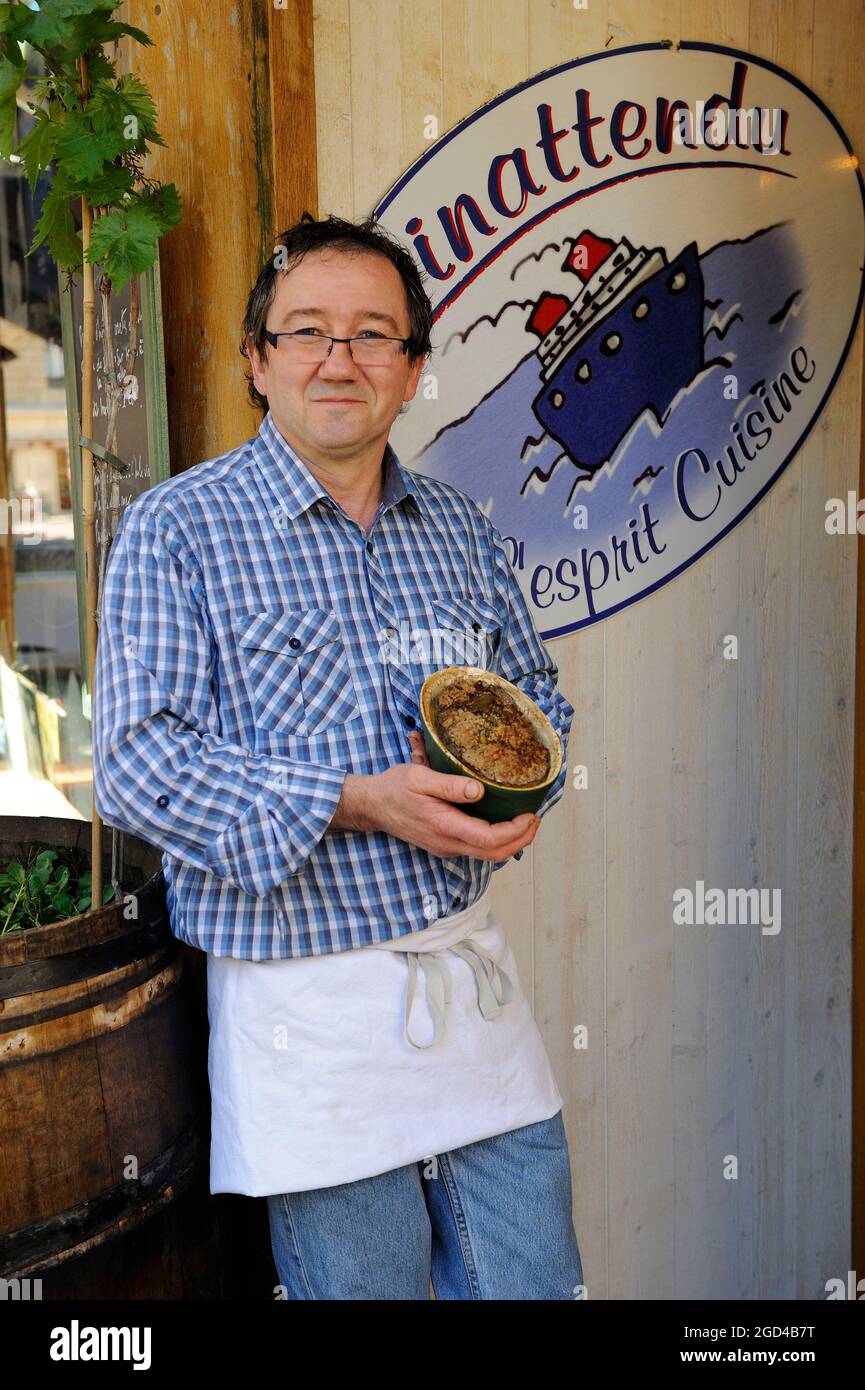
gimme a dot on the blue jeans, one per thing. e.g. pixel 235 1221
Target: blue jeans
pixel 493 1222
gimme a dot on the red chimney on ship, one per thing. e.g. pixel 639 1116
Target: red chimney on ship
pixel 584 257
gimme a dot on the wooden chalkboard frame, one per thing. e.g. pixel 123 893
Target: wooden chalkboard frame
pixel 150 291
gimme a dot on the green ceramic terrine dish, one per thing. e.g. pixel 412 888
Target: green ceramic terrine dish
pixel 472 688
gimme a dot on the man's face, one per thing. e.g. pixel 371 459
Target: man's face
pixel 333 409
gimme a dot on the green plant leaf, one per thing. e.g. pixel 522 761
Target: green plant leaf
pixel 15 872
pixel 40 90
pixel 64 905
pixel 99 67
pixel 57 228
pixel 140 34
pixel 113 109
pixel 82 152
pixel 63 30
pixel 37 148
pixel 12 70
pixel 65 90
pixel 54 24
pixel 109 186
pixel 124 243
pixel 164 205
pixel 85 898
pixel 88 36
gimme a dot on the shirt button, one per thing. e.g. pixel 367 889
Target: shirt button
pixel 369 546
pixel 162 800
pixel 410 721
pixel 294 641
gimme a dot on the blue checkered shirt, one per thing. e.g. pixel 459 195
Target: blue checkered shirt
pixel 255 645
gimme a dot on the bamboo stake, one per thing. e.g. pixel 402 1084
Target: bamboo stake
pixel 7 541
pixel 87 497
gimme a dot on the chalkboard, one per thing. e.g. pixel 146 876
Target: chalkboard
pixel 142 420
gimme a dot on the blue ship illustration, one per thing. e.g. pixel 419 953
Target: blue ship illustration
pixel 630 339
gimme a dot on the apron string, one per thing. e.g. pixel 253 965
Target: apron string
pixel 438 992
pixel 494 985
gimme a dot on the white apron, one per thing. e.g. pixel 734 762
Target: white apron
pixel 328 1069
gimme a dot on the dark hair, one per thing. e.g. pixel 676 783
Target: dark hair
pixel 311 235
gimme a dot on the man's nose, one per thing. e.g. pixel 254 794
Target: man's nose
pixel 339 362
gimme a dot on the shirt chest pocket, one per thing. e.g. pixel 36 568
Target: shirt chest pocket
pixel 299 670
pixel 468 632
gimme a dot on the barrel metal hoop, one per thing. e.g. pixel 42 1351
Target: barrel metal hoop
pixel 47 1243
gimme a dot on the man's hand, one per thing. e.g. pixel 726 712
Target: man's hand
pixel 421 806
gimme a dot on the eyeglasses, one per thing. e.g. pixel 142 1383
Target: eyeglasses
pixel 309 347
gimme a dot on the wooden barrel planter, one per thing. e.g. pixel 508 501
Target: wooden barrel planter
pixel 104 1102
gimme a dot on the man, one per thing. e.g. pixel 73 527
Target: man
pixel 254 716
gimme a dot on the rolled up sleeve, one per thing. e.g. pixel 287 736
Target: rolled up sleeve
pixel 160 771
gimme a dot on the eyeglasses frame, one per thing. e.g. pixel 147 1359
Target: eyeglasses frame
pixel 273 339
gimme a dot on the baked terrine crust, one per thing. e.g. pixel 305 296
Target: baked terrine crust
pixel 484 727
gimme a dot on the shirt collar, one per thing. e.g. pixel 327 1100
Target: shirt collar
pixel 299 489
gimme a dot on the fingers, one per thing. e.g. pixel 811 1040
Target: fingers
pixel 485 834
pixel 452 787
pixel 497 855
pixel 483 840
pixel 418 751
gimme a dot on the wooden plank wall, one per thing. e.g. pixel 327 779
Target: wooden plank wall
pixel 234 116
pixel 703 1043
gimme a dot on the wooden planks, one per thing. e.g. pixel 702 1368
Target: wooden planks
pixel 704 1043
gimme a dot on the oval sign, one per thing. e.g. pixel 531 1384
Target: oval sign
pixel 646 270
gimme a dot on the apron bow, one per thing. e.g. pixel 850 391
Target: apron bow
pixel 494 985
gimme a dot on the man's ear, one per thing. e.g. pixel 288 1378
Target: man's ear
pixel 257 360
pixel 413 379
